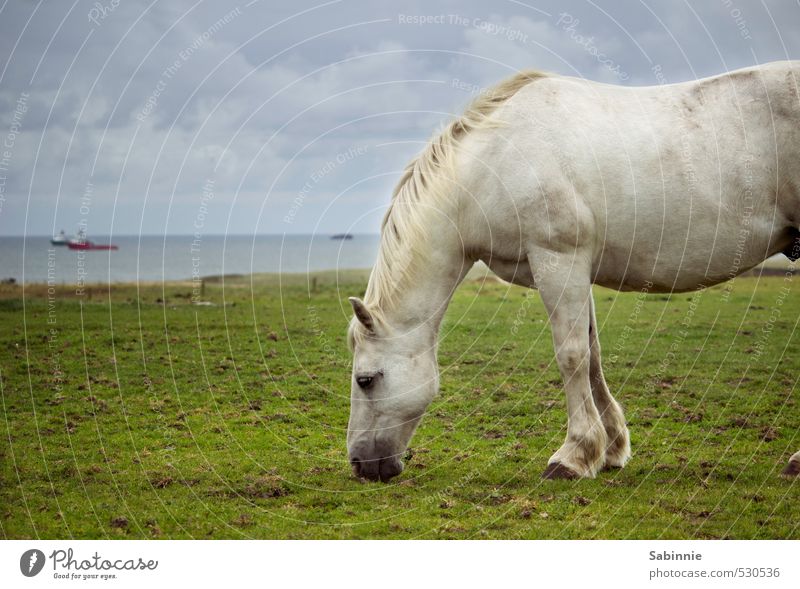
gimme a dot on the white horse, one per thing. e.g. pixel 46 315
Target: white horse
pixel 558 183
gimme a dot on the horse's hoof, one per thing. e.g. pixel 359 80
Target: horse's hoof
pixel 792 469
pixel 556 470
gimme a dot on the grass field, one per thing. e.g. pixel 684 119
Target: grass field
pixel 132 413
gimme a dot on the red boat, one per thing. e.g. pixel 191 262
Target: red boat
pixel 88 245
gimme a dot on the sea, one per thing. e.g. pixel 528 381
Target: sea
pixel 180 257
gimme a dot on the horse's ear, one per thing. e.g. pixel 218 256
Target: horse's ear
pixel 362 313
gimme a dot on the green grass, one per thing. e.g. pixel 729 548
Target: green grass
pixel 135 414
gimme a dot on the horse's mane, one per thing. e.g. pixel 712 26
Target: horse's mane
pixel 427 177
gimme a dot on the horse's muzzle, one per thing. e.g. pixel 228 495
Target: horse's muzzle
pixel 375 469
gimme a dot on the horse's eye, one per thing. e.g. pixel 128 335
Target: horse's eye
pixel 364 381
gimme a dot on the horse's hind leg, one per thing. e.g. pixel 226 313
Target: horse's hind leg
pixel 566 292
pixel 793 468
pixel 618 449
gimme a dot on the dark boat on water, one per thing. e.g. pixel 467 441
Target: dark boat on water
pixel 78 242
pixel 342 236
pixel 60 239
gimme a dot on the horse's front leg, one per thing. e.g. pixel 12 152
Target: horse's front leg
pixel 564 284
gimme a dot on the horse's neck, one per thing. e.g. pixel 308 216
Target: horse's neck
pixel 426 297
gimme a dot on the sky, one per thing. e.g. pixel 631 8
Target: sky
pixel 128 117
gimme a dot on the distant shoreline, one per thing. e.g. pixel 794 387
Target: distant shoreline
pixel 770 268
pixel 323 277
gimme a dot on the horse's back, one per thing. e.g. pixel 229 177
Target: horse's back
pixel 681 180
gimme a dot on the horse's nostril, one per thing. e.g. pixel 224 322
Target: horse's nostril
pixel 389 468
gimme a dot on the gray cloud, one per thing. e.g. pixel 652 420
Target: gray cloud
pixel 317 103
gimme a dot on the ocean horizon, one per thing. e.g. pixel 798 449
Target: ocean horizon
pixel 146 258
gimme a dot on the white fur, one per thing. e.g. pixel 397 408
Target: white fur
pixel 561 184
